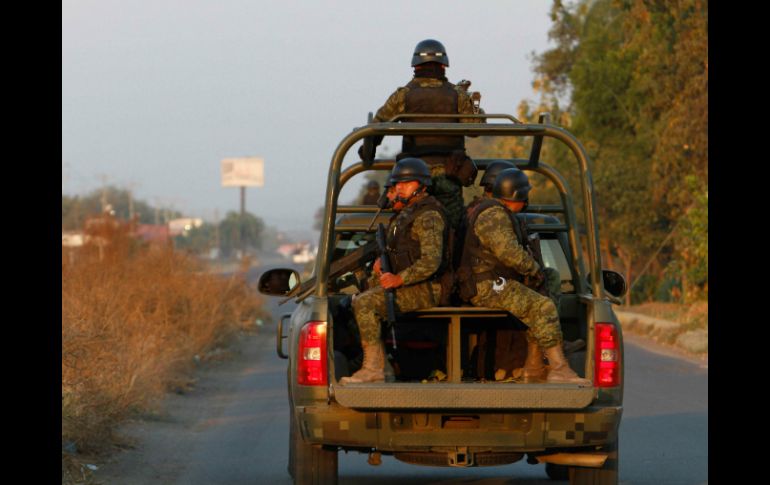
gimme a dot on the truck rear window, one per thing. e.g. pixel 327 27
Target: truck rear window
pixel 554 257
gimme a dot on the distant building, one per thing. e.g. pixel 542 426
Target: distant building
pixel 297 252
pixel 182 226
pixel 72 239
pixel 152 233
pixel 304 255
pixel 286 250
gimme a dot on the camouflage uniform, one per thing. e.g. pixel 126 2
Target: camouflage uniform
pixel 447 190
pixel 418 291
pixel 396 103
pixel 498 240
pixel 506 338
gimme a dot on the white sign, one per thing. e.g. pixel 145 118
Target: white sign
pixel 241 172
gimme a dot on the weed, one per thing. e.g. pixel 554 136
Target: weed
pixel 133 317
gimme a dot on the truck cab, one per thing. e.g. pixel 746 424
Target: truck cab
pixel 440 405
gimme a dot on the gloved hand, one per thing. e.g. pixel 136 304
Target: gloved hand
pixel 390 280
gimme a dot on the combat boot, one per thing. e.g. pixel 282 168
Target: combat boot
pixel 559 369
pixel 373 367
pixel 534 369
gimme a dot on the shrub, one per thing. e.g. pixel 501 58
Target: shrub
pixel 133 317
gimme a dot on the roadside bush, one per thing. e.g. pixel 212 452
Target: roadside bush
pixel 133 317
pixel 669 290
pixel 644 289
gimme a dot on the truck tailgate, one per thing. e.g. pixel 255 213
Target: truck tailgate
pixel 462 396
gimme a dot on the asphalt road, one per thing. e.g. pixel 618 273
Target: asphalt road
pixel 233 429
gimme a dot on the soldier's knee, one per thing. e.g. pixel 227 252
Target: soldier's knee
pixel 548 307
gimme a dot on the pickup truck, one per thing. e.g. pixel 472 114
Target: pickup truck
pixel 456 415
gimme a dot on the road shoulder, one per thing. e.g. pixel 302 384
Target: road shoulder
pixel 666 350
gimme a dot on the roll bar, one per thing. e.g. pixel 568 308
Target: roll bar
pixel 391 128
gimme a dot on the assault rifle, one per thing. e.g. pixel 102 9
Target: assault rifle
pixel 531 243
pixel 475 96
pixel 390 295
pixel 356 259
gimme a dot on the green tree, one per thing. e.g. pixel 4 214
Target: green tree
pixel 198 240
pixel 236 232
pixel 636 74
pixel 76 209
pixel 692 244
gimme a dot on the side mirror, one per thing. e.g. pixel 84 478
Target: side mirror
pixel 613 282
pixel 278 282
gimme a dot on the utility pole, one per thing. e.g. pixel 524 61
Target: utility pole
pixel 157 210
pixel 103 179
pixel 216 230
pixel 242 221
pixel 131 187
pixel 242 172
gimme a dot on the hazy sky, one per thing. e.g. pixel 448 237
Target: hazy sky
pixel 156 92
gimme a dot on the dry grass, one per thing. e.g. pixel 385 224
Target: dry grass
pixel 133 317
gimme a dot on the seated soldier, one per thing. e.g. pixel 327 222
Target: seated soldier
pixel 504 361
pixel 372 194
pixel 416 245
pixel 497 272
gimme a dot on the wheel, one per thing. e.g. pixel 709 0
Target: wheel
pixel 310 464
pixel 556 472
pixel 606 475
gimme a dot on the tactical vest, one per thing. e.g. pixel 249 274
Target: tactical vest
pixel 428 100
pixel 473 254
pixel 405 251
pixel 402 249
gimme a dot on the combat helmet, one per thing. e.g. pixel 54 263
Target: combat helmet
pixel 491 172
pixel 429 50
pixel 408 169
pixel 513 185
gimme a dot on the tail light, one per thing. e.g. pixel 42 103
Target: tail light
pixel 311 365
pixel 607 356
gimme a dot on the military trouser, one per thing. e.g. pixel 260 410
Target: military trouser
pixel 536 311
pixel 369 306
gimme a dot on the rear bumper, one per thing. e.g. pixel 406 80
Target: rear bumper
pixel 400 431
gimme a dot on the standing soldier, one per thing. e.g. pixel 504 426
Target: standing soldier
pixel 429 92
pixel 497 272
pixel 416 245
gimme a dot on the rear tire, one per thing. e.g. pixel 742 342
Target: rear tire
pixel 606 475
pixel 310 464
